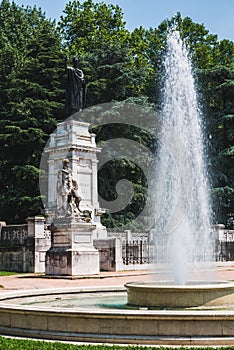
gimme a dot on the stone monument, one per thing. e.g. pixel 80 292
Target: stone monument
pixel 72 207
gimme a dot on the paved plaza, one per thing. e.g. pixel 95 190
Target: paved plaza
pixel 223 272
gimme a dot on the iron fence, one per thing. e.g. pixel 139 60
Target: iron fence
pixel 145 252
pixel 137 252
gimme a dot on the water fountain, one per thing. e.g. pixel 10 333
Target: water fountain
pixel 205 315
pixel 182 185
pixel 182 203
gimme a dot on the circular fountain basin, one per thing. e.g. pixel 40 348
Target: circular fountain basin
pixel 48 314
pixel 168 295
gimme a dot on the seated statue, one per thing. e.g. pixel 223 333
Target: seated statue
pixel 74 199
pixel 68 199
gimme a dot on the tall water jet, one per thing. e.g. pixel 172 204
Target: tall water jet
pixel 182 200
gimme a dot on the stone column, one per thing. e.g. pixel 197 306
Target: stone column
pixel 51 184
pixel 94 184
pixel 42 241
pixel 218 231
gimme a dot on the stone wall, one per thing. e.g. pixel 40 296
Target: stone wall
pixel 23 247
pixel 110 254
pixel 16 249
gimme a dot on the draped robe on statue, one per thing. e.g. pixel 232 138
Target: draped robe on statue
pixel 75 90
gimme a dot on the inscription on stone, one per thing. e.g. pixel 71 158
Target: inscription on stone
pixel 42 256
pixel 82 238
pixel 85 186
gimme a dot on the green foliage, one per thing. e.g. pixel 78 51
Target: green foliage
pixel 96 32
pixel 217 87
pixel 118 66
pixel 7 273
pixel 89 25
pixel 214 66
pixel 123 162
pixel 111 75
pixel 31 101
pixel 23 344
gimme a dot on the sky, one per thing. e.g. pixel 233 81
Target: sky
pixel 216 15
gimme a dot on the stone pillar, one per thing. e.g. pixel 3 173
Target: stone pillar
pixel 218 231
pixel 110 252
pixel 118 254
pixel 219 239
pixel 2 223
pixel 42 241
pixel 36 226
pixel 51 187
pixel 94 184
pixel 128 235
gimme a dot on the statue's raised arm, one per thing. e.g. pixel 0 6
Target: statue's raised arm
pixel 75 92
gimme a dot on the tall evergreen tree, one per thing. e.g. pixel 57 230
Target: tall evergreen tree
pixel 96 32
pixel 213 65
pixel 218 91
pixel 118 65
pixel 31 101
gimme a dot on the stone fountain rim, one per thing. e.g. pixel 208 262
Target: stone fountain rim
pixel 169 286
pixel 144 312
pixel 46 322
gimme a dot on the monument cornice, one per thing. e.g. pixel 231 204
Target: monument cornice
pixel 72 147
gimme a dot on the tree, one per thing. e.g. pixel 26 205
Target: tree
pixel 31 101
pixel 213 65
pixel 88 25
pixel 96 32
pixel 218 88
pixel 118 66
pixel 112 78
pixel 129 152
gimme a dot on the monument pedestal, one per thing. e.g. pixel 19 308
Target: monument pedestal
pixel 72 252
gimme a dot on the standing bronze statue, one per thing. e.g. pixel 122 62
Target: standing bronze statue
pixel 75 92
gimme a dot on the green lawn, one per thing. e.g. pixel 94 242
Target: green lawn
pixel 21 344
pixel 9 273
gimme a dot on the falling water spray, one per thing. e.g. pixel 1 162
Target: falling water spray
pixel 182 208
